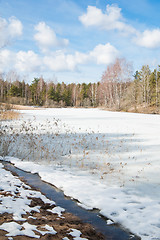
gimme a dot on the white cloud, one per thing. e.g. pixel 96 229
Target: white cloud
pixel 6 59
pixel 93 17
pixel 15 27
pixel 46 37
pixel 148 39
pixel 27 62
pixel 104 54
pixel 110 20
pixel 101 54
pixel 21 61
pixel 9 30
pixel 58 61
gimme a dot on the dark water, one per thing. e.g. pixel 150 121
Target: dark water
pixel 114 232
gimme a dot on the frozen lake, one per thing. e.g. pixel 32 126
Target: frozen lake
pixel 106 160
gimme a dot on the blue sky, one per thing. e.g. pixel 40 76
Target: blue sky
pixel 75 40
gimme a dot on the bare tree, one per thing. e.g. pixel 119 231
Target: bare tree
pixel 114 82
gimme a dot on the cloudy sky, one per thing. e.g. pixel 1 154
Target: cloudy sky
pixel 75 40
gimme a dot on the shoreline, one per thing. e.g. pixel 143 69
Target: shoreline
pixel 139 109
pixel 142 110
pixel 39 217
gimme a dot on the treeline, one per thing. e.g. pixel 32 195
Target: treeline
pixel 49 94
pixel 123 90
pixel 118 89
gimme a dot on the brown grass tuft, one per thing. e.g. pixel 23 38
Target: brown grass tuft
pixel 9 115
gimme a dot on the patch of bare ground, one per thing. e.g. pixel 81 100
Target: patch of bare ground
pixel 8 106
pixel 23 107
pixel 145 109
pixel 63 224
pixel 138 109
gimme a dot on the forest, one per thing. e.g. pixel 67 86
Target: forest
pixel 119 89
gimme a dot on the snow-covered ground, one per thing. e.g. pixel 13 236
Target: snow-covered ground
pixel 106 160
pixel 15 200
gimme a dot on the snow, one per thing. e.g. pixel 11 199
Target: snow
pixel 15 229
pixel 49 229
pixel 11 227
pixel 13 204
pixel 58 210
pixel 109 222
pixel 76 234
pixel 18 205
pixel 105 160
